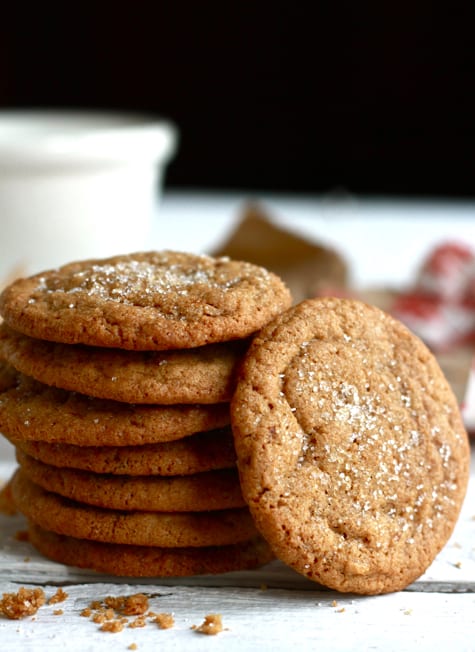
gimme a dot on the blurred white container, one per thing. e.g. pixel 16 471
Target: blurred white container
pixel 76 185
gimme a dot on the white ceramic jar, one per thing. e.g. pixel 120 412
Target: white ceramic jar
pixel 77 185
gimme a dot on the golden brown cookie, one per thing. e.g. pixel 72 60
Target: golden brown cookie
pixel 168 530
pixel 352 453
pixel 201 375
pixel 32 411
pixel 214 490
pixel 145 301
pixel 142 561
pixel 200 452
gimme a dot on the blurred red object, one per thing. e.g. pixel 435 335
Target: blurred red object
pixel 440 307
pixel 448 272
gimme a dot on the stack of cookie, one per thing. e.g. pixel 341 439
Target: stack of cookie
pixel 115 387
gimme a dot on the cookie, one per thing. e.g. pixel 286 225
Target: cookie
pixel 32 411
pixel 214 490
pixel 200 452
pixel 351 450
pixel 145 301
pixel 142 561
pixel 201 375
pixel 168 530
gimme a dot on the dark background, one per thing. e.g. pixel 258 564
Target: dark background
pixel 368 97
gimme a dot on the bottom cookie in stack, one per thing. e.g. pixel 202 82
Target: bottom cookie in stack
pixel 149 561
pixel 138 543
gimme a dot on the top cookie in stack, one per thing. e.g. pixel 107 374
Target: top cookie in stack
pixel 113 357
pixel 145 302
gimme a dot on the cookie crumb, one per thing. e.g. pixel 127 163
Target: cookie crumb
pixel 132 605
pixel 135 605
pixel 95 604
pixel 58 612
pixel 114 613
pixel 164 620
pixel 132 646
pixel 112 602
pixel 211 625
pixel 25 602
pixel 112 626
pixel 59 596
pixel 102 615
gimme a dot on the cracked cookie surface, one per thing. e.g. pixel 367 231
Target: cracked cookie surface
pixel 352 453
pixel 145 301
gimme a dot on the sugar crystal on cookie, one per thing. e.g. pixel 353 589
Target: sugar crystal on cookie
pixel 137 282
pixel 157 300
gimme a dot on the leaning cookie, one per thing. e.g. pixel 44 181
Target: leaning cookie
pixel 148 561
pixel 145 301
pixel 200 375
pixel 32 411
pixel 352 454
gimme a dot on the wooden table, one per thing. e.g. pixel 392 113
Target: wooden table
pixel 272 608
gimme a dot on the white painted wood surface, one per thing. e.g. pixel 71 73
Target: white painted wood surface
pixel 272 608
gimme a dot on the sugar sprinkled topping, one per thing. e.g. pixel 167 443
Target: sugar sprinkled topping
pixel 358 466
pixel 145 282
pixel 148 301
pixel 364 445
